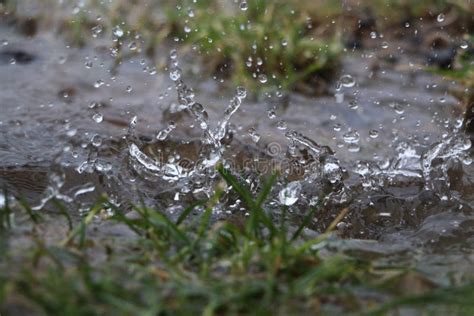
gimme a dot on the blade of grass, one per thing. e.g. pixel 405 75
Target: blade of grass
pixel 160 221
pixel 34 216
pixel 305 246
pixel 306 220
pixel 188 211
pixel 63 211
pixel 80 229
pixel 257 215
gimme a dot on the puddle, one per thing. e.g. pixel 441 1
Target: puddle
pixel 386 143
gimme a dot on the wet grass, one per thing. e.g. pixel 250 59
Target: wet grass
pixel 191 265
pixel 262 45
pixel 259 43
pixel 462 71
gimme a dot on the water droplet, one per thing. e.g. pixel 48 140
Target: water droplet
pixel 353 148
pixel 129 89
pixel 347 81
pixel 351 137
pixel 384 45
pixel 94 105
pixel 243 6
pixel 4 42
pixel 467 161
pixel 163 134
pixel 262 78
pixel 175 74
pixel 281 125
pixel 241 92
pixel 440 18
pixel 332 171
pixel 290 194
pixel 353 105
pixel 98 84
pixel 173 54
pixel 187 29
pixel 464 45
pixel 284 43
pixel 373 35
pixel 118 31
pixel 271 114
pixel 254 135
pixel 373 133
pixel 96 30
pixel 71 132
pixel 96 140
pixel 132 46
pixel 88 64
pixel 399 108
pixel 98 117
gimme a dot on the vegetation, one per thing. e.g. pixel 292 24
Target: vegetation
pixel 273 43
pixel 191 265
pixel 259 44
pixel 463 72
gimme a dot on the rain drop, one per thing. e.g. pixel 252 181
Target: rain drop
pixel 290 194
pixel 262 78
pixel 271 114
pixel 98 117
pixel 440 17
pixel 373 133
pixel 281 125
pixel 351 137
pixel 243 6
pixel 254 135
pixel 98 84
pixel 118 31
pixel 96 140
pixel 347 81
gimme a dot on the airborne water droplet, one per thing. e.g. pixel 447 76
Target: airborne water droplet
pixel 98 84
pixel 98 117
pixel 132 46
pixel 351 137
pixel 173 54
pixel 96 140
pixel 373 133
pixel 241 92
pixel 440 17
pixel 96 30
pixel 118 31
pixel 281 125
pixel 175 74
pixel 254 135
pixel 290 194
pixel 353 105
pixel 271 114
pixel 347 81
